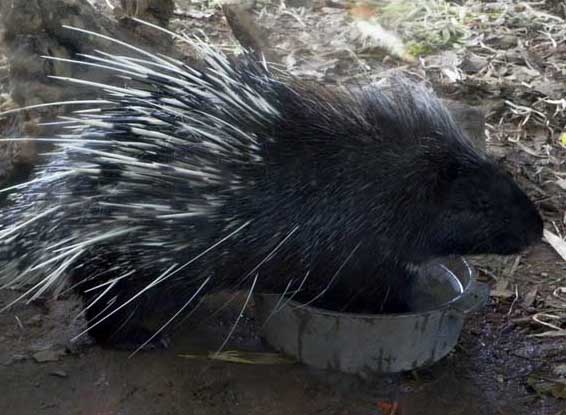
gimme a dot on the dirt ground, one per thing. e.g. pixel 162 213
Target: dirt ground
pixel 42 373
pixel 511 358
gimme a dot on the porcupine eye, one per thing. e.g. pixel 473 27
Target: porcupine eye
pixel 482 204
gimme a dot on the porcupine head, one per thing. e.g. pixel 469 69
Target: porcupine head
pixel 341 192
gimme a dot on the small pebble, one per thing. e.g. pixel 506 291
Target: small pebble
pixel 473 63
pixel 59 373
pixel 506 42
pixel 35 320
pixel 46 356
pixel 560 370
pixel 15 358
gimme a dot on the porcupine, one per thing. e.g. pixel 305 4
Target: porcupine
pixel 229 177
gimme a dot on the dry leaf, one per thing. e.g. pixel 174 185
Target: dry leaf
pixel 502 293
pixel 501 289
pixel 544 386
pixel 363 12
pixel 373 35
pixel 561 183
pixel 556 242
pixel 250 358
pixel 530 297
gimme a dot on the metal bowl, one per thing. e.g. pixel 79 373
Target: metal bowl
pixel 445 292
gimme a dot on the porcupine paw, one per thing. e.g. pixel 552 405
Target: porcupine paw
pixel 132 339
pixel 137 337
pixel 123 331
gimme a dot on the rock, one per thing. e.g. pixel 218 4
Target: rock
pixel 34 28
pixel 47 356
pixel 16 157
pixel 299 3
pixel 15 358
pixel 549 88
pixel 524 74
pixel 35 320
pixel 471 119
pixel 504 42
pixel 59 373
pixel 160 11
pixel 247 5
pixel 473 63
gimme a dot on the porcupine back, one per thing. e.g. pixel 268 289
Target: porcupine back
pixel 140 181
pixel 189 181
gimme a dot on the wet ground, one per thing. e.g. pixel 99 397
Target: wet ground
pixel 42 373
